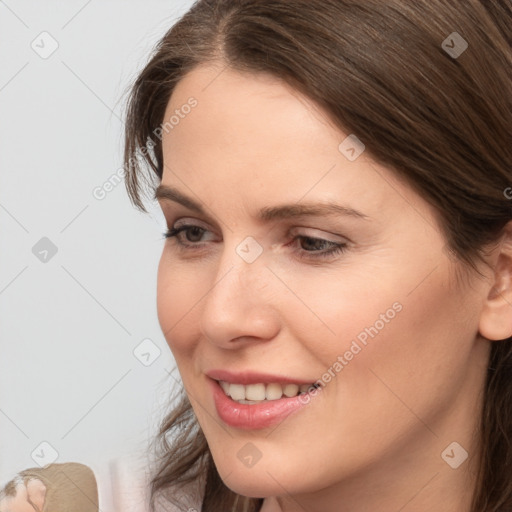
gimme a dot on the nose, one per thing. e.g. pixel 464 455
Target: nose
pixel 241 305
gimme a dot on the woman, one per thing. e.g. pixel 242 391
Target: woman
pixel 335 284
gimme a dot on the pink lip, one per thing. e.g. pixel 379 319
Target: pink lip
pixel 253 378
pixel 256 416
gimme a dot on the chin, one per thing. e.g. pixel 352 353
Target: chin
pixel 250 486
pixel 260 481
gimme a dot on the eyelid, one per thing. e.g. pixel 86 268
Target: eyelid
pixel 187 221
pixel 184 221
pixel 319 234
pixel 295 233
pixel 175 213
pixel 335 249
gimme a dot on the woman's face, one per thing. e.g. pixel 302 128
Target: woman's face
pixel 381 324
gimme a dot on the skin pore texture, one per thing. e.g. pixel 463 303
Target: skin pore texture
pixel 373 438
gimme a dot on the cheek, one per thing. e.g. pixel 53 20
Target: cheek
pixel 400 346
pixel 177 295
pixel 372 318
pixel 366 332
pixel 342 312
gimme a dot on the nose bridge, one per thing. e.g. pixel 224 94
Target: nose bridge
pixel 241 272
pixel 237 304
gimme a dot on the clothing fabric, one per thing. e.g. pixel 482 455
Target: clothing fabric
pixel 70 487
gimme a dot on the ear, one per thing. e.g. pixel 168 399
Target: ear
pixel 496 316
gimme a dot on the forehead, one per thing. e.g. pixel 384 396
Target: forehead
pixel 247 122
pixel 255 103
pixel 257 140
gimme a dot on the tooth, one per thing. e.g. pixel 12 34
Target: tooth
pixel 290 390
pixel 255 392
pixel 237 391
pixel 273 391
pixel 304 388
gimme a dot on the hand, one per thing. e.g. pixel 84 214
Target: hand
pixel 58 487
pixel 18 497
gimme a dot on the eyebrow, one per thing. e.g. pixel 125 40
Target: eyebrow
pixel 268 213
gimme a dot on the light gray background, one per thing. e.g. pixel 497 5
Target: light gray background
pixel 69 326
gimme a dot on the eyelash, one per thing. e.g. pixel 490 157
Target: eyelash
pixel 334 250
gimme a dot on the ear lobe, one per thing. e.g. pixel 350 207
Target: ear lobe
pixel 496 316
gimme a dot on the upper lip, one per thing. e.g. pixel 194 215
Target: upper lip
pixel 253 377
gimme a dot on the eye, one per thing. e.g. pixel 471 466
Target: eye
pixel 195 231
pixel 333 248
pixel 311 247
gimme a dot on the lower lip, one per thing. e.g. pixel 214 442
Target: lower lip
pixel 256 416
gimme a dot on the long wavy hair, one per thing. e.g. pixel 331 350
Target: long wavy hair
pixel 381 69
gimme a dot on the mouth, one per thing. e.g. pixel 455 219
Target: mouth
pixel 260 405
pixel 257 393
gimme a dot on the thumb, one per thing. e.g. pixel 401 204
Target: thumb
pixel 36 493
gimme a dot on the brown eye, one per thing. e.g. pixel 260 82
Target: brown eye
pixel 311 247
pixel 192 232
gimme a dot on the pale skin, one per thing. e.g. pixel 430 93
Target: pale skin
pixel 29 497
pixel 373 439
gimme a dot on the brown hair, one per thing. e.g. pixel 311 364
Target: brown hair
pixel 380 69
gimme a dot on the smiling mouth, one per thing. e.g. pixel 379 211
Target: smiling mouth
pixel 261 392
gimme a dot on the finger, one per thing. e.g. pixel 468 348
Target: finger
pixel 36 492
pixel 17 503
